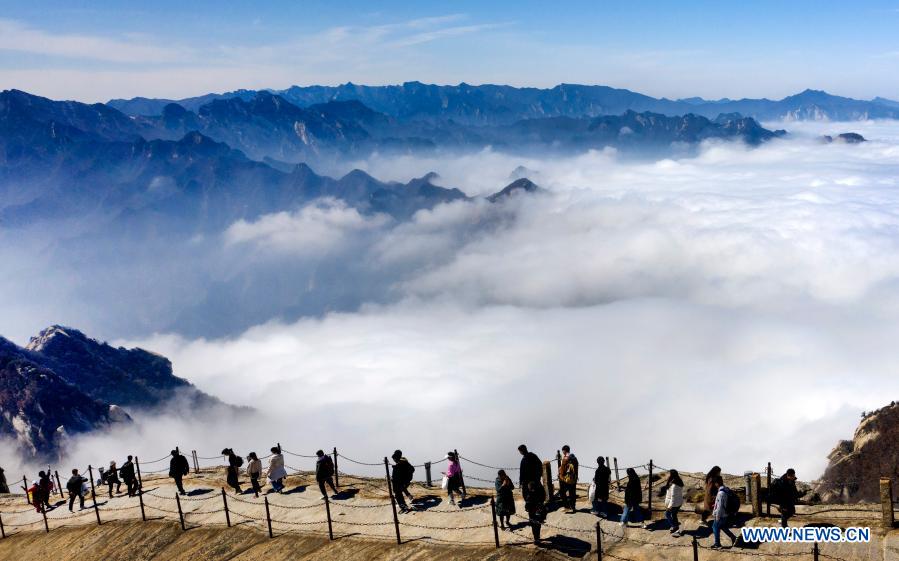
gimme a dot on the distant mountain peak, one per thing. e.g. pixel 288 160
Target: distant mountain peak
pixel 522 185
pixel 46 337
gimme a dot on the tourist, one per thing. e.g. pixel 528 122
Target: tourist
pixel 324 472
pixel 674 500
pixel 531 469
pixel 505 500
pixel 254 471
pixel 601 479
pixel 178 468
pixel 276 471
pixel 454 478
pixel 127 474
pixel 568 474
pixel 233 470
pixel 713 481
pixel 75 487
pixel 402 478
pixel 633 496
pixel 721 516
pixel 535 506
pixel 112 478
pixel 786 496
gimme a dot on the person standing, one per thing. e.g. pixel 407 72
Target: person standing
pixel 454 478
pixel 674 500
pixel 45 484
pixel 324 472
pixel 786 496
pixel 112 478
pixel 721 517
pixel 505 500
pixel 34 496
pixel 568 475
pixel 276 471
pixel 535 505
pixel 178 468
pixel 126 472
pixel 713 481
pixel 75 487
pixel 401 479
pixel 601 478
pixel 633 496
pixel 233 470
pixel 254 471
pixel 4 487
pixel 530 469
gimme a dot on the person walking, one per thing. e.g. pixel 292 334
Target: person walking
pixel 233 470
pixel 126 472
pixel 505 500
pixel 75 487
pixel 4 486
pixel 721 517
pixel 34 496
pixel 45 484
pixel 530 469
pixel 601 479
pixel 401 479
pixel 713 481
pixel 324 472
pixel 633 496
pixel 178 468
pixel 568 475
pixel 454 478
pixel 112 478
pixel 674 500
pixel 535 505
pixel 786 496
pixel 276 471
pixel 254 471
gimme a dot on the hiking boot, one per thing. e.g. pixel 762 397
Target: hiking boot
pixel 715 546
pixel 643 525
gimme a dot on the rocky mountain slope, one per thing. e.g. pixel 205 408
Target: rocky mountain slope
pixel 63 383
pixel 857 465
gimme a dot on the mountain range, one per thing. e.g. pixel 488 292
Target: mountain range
pixel 498 104
pixel 63 383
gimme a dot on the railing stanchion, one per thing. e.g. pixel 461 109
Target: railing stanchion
pixel 650 490
pixel 495 528
pixel 140 480
pixel 598 541
pixel 90 471
pixel 396 520
pixel 768 492
pixel 695 549
pixel 428 473
pixel 59 485
pixel 268 514
pixel 815 552
pixel 328 514
pixel 2 529
pixel 196 461
pixel 617 479
pixel 336 472
pixel 44 514
pixel 25 486
pixel 180 512
pixel 225 502
pixel 140 497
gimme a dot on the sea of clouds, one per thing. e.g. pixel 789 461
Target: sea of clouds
pixel 733 308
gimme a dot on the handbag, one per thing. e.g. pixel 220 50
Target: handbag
pixel 445 483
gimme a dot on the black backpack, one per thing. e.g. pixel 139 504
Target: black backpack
pixel 732 506
pixel 776 491
pixel 327 466
pixel 239 461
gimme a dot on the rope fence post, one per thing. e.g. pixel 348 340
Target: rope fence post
pixel 328 514
pixel 44 513
pixel 59 485
pixel 90 470
pixel 140 480
pixel 25 486
pixel 225 502
pixel 140 497
pixel 396 520
pixel 428 473
pixel 196 461
pixel 2 529
pixel 598 541
pixel 180 512
pixel 650 490
pixel 768 493
pixel 461 473
pixel 756 484
pixel 886 502
pixel 548 480
pixel 815 552
pixel 695 549
pixel 268 516
pixel 617 479
pixel 336 472
pixel 495 529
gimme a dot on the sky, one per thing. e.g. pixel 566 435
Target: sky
pixel 94 51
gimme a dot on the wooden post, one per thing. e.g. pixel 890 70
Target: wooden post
pixel 193 453
pixel 756 484
pixel 396 520
pixel 815 552
pixel 59 485
pixel 180 513
pixel 495 527
pixel 461 474
pixel 886 502
pixel 2 529
pixel 225 502
pixel 140 497
pixel 328 514
pixel 44 513
pixel 278 444
pixel 428 473
pixel 90 471
pixel 598 542
pixel 650 490
pixel 336 473
pixel 558 461
pixel 548 480
pixel 268 516
pixel 25 486
pixel 695 549
pixel 768 494
pixel 617 479
pixel 140 480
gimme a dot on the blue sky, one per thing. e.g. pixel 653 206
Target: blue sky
pixel 102 49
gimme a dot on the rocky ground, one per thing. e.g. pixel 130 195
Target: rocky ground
pixel 363 527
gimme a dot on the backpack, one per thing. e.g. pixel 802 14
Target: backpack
pixel 327 466
pixel 775 491
pixel 239 461
pixel 732 506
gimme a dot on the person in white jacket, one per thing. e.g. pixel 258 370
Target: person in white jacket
pixel 719 513
pixel 276 471
pixel 674 499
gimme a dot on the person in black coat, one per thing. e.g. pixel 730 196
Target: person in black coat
pixel 633 496
pixel 530 469
pixel 535 505
pixel 787 496
pixel 178 468
pixel 74 486
pixel 233 471
pixel 324 472
pixel 401 479
pixel 126 472
pixel 601 478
